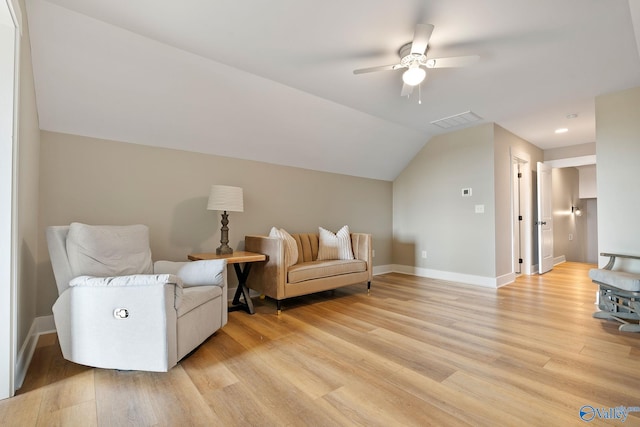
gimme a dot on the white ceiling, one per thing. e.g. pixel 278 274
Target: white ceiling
pixel 272 80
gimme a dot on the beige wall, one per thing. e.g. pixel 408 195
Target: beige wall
pixel 570 151
pixel 588 182
pixel 106 182
pixel 618 152
pixel 28 160
pixel 429 213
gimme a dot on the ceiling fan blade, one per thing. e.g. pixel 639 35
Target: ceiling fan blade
pixel 379 68
pixel 454 61
pixel 421 38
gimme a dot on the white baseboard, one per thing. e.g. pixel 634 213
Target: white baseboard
pixel 505 279
pixel 40 325
pixel 469 279
pixel 382 269
pixel 559 260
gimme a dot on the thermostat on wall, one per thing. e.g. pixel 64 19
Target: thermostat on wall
pixel 466 192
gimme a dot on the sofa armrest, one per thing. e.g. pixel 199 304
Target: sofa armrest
pixel 267 277
pixel 362 249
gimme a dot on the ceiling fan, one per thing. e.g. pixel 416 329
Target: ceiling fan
pixel 413 58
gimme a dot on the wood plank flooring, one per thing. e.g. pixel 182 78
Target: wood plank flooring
pixel 415 352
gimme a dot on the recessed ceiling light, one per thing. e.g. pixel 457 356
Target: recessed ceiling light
pixel 562 130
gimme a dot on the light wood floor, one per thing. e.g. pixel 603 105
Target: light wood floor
pixel 415 352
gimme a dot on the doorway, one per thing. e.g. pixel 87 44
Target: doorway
pixel 575 214
pixel 521 213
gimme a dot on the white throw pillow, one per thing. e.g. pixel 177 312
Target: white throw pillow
pixel 109 250
pixel 335 246
pixel 290 245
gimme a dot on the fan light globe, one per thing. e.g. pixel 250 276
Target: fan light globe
pixel 414 75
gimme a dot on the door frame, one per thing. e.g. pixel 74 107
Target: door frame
pixel 518 249
pixel 524 160
pixel 11 18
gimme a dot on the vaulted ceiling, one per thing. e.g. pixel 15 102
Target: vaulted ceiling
pixel 272 80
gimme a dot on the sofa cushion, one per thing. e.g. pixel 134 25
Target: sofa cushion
pixel 290 245
pixel 109 250
pixel 319 269
pixel 335 246
pixel 307 246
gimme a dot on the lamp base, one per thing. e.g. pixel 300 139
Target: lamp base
pixel 224 250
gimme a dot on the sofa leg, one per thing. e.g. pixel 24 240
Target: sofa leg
pixel 278 307
pixel 368 288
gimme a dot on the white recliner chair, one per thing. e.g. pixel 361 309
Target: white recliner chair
pixel 116 309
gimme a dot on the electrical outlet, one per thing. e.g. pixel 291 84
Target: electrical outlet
pixel 373 253
pixel 570 236
pixel 479 208
pixel 424 254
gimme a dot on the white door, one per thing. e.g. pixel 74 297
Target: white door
pixel 545 219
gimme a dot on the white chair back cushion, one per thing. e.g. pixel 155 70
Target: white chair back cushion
pixel 57 243
pixel 109 250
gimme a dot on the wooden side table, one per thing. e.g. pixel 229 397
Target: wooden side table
pixel 237 258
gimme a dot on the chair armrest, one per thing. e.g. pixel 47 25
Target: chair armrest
pixel 362 246
pixel 196 273
pixel 126 281
pixel 130 282
pixel 612 259
pixel 267 277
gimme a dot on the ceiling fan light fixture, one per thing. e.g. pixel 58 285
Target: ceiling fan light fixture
pixel 414 75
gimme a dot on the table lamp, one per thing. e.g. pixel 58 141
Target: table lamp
pixel 226 199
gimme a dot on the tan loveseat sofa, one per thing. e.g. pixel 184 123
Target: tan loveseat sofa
pixel 273 279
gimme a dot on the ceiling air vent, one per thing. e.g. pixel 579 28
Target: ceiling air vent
pixel 457 120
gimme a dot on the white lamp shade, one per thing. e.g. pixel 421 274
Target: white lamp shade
pixel 225 198
pixel 414 75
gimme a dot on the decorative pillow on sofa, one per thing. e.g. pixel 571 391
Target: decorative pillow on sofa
pixel 290 245
pixel 335 246
pixel 109 250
